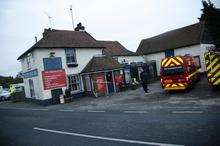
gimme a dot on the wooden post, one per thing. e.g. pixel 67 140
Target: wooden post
pixel 113 80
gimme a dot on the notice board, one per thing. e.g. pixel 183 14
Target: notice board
pixel 54 79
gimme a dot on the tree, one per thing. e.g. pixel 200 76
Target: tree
pixel 211 18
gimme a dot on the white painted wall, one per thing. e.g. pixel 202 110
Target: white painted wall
pixel 83 56
pixel 155 57
pixel 37 84
pixel 129 59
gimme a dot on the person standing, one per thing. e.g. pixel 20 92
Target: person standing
pixel 144 80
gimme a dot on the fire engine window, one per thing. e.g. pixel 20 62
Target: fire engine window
pixel 197 60
pixel 173 71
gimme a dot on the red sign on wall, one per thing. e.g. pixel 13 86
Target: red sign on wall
pixel 54 79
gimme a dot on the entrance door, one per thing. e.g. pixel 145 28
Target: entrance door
pixel 109 80
pixel 56 95
pixel 31 86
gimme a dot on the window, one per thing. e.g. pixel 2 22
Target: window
pixel 197 60
pixel 74 82
pixel 28 60
pixel 169 53
pixel 173 71
pixel 70 56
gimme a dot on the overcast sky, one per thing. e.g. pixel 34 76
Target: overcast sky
pixel 127 21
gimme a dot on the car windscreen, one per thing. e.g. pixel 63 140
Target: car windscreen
pixel 173 71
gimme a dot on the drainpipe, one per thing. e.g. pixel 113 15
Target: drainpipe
pixel 113 79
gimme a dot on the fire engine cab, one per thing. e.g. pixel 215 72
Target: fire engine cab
pixel 178 72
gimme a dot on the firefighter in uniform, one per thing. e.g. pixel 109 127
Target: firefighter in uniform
pixel 144 79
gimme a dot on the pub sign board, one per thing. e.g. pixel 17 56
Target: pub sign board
pixel 54 79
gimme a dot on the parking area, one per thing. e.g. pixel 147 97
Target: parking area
pixel 202 95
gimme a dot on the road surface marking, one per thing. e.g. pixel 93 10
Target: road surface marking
pixel 187 112
pixel 66 110
pixel 182 107
pixel 93 111
pixel 18 108
pixel 136 112
pixel 105 138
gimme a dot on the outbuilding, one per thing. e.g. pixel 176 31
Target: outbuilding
pixel 103 75
pixel 186 40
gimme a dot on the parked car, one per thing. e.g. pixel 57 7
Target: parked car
pixel 4 95
pixel 16 88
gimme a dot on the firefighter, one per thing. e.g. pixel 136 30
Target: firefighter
pixel 144 78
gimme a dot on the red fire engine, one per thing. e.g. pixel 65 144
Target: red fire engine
pixel 178 72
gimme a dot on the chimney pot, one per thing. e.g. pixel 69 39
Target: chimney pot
pixel 35 39
pixel 80 27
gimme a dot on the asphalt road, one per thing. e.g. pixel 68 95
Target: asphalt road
pixel 127 118
pixel 53 127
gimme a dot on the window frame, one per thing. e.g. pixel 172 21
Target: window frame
pixel 74 82
pixel 70 53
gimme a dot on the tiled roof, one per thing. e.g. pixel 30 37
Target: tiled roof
pixel 101 63
pixel 186 36
pixel 64 39
pixel 114 48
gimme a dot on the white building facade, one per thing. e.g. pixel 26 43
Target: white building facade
pixel 44 69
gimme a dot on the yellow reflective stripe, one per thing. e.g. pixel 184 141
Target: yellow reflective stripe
pixel 168 62
pixel 212 63
pixel 209 74
pixel 163 62
pixel 217 82
pixel 167 85
pixel 217 75
pixel 180 59
pixel 215 68
pixel 192 74
pixel 175 88
pixel 212 56
pixel 180 84
pixel 174 85
pixel 174 60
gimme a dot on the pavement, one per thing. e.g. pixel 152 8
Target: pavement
pixel 126 118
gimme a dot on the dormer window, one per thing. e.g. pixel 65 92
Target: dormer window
pixel 71 57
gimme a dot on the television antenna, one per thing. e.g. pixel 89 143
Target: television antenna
pixel 71 11
pixel 49 19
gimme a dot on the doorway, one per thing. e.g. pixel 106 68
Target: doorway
pixel 56 95
pixel 31 86
pixel 109 80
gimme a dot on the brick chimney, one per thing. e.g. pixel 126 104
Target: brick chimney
pixel 46 32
